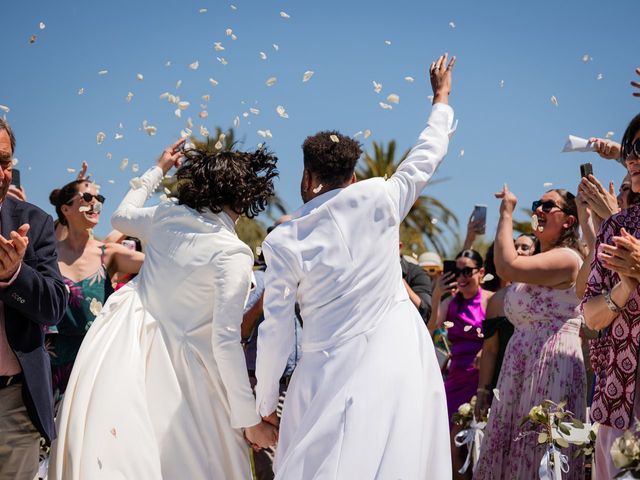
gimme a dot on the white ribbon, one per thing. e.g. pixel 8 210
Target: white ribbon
pixel 560 464
pixel 472 438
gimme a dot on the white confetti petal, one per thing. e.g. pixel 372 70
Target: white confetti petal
pixel 218 145
pixel 118 136
pixel 276 47
pixel 177 113
pixel 109 155
pixel 178 84
pixel 100 137
pixel 42 26
pixel 434 221
pixel 135 168
pixel 585 58
pixel 263 55
pixel 189 123
pixel 307 75
pixel 129 96
pixel 282 112
pixel 452 25
pixel 462 152
pixel 271 81
pixel 139 77
pixel 334 138
pixel 111 181
pixel 203 114
pixel 387 42
pixel 285 15
pixel 367 133
pixel 265 133
pixel 168 63
pixel 222 60
pixel 228 32
pixel 236 121
pixel 183 105
pixel 600 76
pixel 203 131
pixel 409 79
pixel 213 82
pixel 385 106
pixel 203 10
pixel 547 184
pixel 233 7
pixel 377 87
pixel 15 161
pixel 448 324
pixel 467 328
pixel 194 65
pixel 81 91
pixel 151 130
pixel 234 37
pixel 217 46
pixel 123 163
pixel 609 134
pixel 554 100
pixel 245 114
pixel 501 83
pixel 496 394
pixel 71 170
pixel 255 111
pixel 393 98
pixel 103 72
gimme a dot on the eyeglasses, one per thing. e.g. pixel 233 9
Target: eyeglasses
pixel 432 270
pixel 629 149
pixel 87 197
pixel 546 206
pixel 466 272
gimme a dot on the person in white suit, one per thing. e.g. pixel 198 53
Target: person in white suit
pixel 160 387
pixel 367 399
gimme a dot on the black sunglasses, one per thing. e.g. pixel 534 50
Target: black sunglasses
pixel 629 149
pixel 546 206
pixel 87 197
pixel 466 272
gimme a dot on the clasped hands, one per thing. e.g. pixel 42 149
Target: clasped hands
pixel 12 252
pixel 623 257
pixel 264 434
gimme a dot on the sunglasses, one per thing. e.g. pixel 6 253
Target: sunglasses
pixel 466 272
pixel 629 149
pixel 87 197
pixel 546 206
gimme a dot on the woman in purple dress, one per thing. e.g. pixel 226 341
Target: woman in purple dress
pixel 462 314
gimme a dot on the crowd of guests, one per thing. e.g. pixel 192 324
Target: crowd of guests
pixel 511 328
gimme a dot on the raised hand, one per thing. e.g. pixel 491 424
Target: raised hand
pixel 636 85
pixel 82 174
pixel 171 156
pixel 440 75
pixel 509 200
pixel 445 283
pixel 601 202
pixel 607 149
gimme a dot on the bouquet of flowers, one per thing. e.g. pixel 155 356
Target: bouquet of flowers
pixel 471 432
pixel 625 453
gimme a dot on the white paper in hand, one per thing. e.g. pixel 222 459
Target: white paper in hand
pixel 577 144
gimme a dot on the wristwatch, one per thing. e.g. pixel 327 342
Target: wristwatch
pixel 611 305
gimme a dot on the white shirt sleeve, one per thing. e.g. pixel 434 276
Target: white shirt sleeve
pixel 276 334
pixel 406 184
pixel 232 282
pixel 131 218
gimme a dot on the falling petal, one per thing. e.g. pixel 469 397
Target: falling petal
pixel 111 181
pixel 467 328
pixel 151 130
pixel 367 133
pixel 168 63
pixel 245 114
pixel 409 79
pixel 255 111
pixel 81 91
pixel 585 58
pixel 186 133
pixel 177 113
pixel 387 42
pixel 487 278
pixel 183 105
pixel 213 82
pixel 229 32
pixel 14 161
pixel 609 134
pixel 203 114
pixel 271 81
pixel 600 76
pixel 462 152
pixel 100 137
pixel 189 122
pixel 393 98
pixel 554 100
pixel 334 138
pixel 307 75
pixel 448 324
pixel 33 38
pixel 217 46
pixel 109 155
pixel 71 170
pixel 496 394
pixel 178 84
pixel 203 10
pixel 357 134
pixel 326 354
pixel 129 97
pixel 263 55
pixel 276 47
pixel 233 37
pixel 139 77
pixel 233 7
pixel 452 25
pixel 222 60
pixel 265 133
pixel 124 163
pixel 285 15
pixel 318 189
pixel 42 26
pixel 377 87
pixel 501 83
pixel 118 136
pixel 218 145
pixel 135 168
pixel 203 131
pixel 434 221
pixel 282 112
pixel 385 106
pixel 103 72
pixel 194 65
pixel 547 185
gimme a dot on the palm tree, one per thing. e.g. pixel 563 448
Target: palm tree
pixel 428 220
pixel 525 225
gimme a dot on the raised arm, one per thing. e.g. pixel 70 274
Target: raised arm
pixel 276 334
pixel 412 175
pixel 130 217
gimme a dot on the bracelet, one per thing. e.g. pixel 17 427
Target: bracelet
pixel 611 305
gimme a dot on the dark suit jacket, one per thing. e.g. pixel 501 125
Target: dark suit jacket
pixel 421 284
pixel 37 297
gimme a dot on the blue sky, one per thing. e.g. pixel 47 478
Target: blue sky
pixel 511 133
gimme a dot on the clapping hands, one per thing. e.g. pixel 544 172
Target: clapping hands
pixel 12 252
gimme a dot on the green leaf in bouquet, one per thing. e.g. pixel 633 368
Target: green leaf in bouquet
pixel 562 404
pixel 577 423
pixel 562 443
pixel 564 429
pixel 542 437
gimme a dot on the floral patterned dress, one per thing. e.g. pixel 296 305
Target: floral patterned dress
pixel 543 360
pixel 86 298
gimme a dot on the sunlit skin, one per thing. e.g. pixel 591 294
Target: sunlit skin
pixel 76 219
pixel 524 245
pixel 553 223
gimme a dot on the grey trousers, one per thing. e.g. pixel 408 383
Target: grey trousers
pixel 19 439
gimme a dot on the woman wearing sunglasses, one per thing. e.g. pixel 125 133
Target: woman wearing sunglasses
pixel 611 305
pixel 462 314
pixel 87 265
pixel 543 359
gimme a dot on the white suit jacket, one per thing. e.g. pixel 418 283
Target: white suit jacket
pixel 338 258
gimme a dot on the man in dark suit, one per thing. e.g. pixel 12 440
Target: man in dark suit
pixel 32 295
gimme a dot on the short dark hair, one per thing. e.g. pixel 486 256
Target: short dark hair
pixel 243 181
pixel 62 196
pixel 333 162
pixel 4 125
pixel 630 132
pixel 473 255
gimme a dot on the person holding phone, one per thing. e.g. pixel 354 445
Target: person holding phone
pixel 462 314
pixel 543 359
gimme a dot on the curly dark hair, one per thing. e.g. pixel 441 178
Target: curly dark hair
pixel 63 196
pixel 243 181
pixel 332 162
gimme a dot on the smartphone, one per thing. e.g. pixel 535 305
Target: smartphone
pixel 449 267
pixel 586 169
pixel 15 178
pixel 479 216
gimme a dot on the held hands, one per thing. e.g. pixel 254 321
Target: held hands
pixel 440 75
pixel 607 149
pixel 171 156
pixel 509 201
pixel 601 202
pixel 262 435
pixel 12 252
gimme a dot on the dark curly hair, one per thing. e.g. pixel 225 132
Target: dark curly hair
pixel 243 181
pixel 63 196
pixel 332 162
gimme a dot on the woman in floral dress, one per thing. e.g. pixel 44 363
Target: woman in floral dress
pixel 544 358
pixel 86 265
